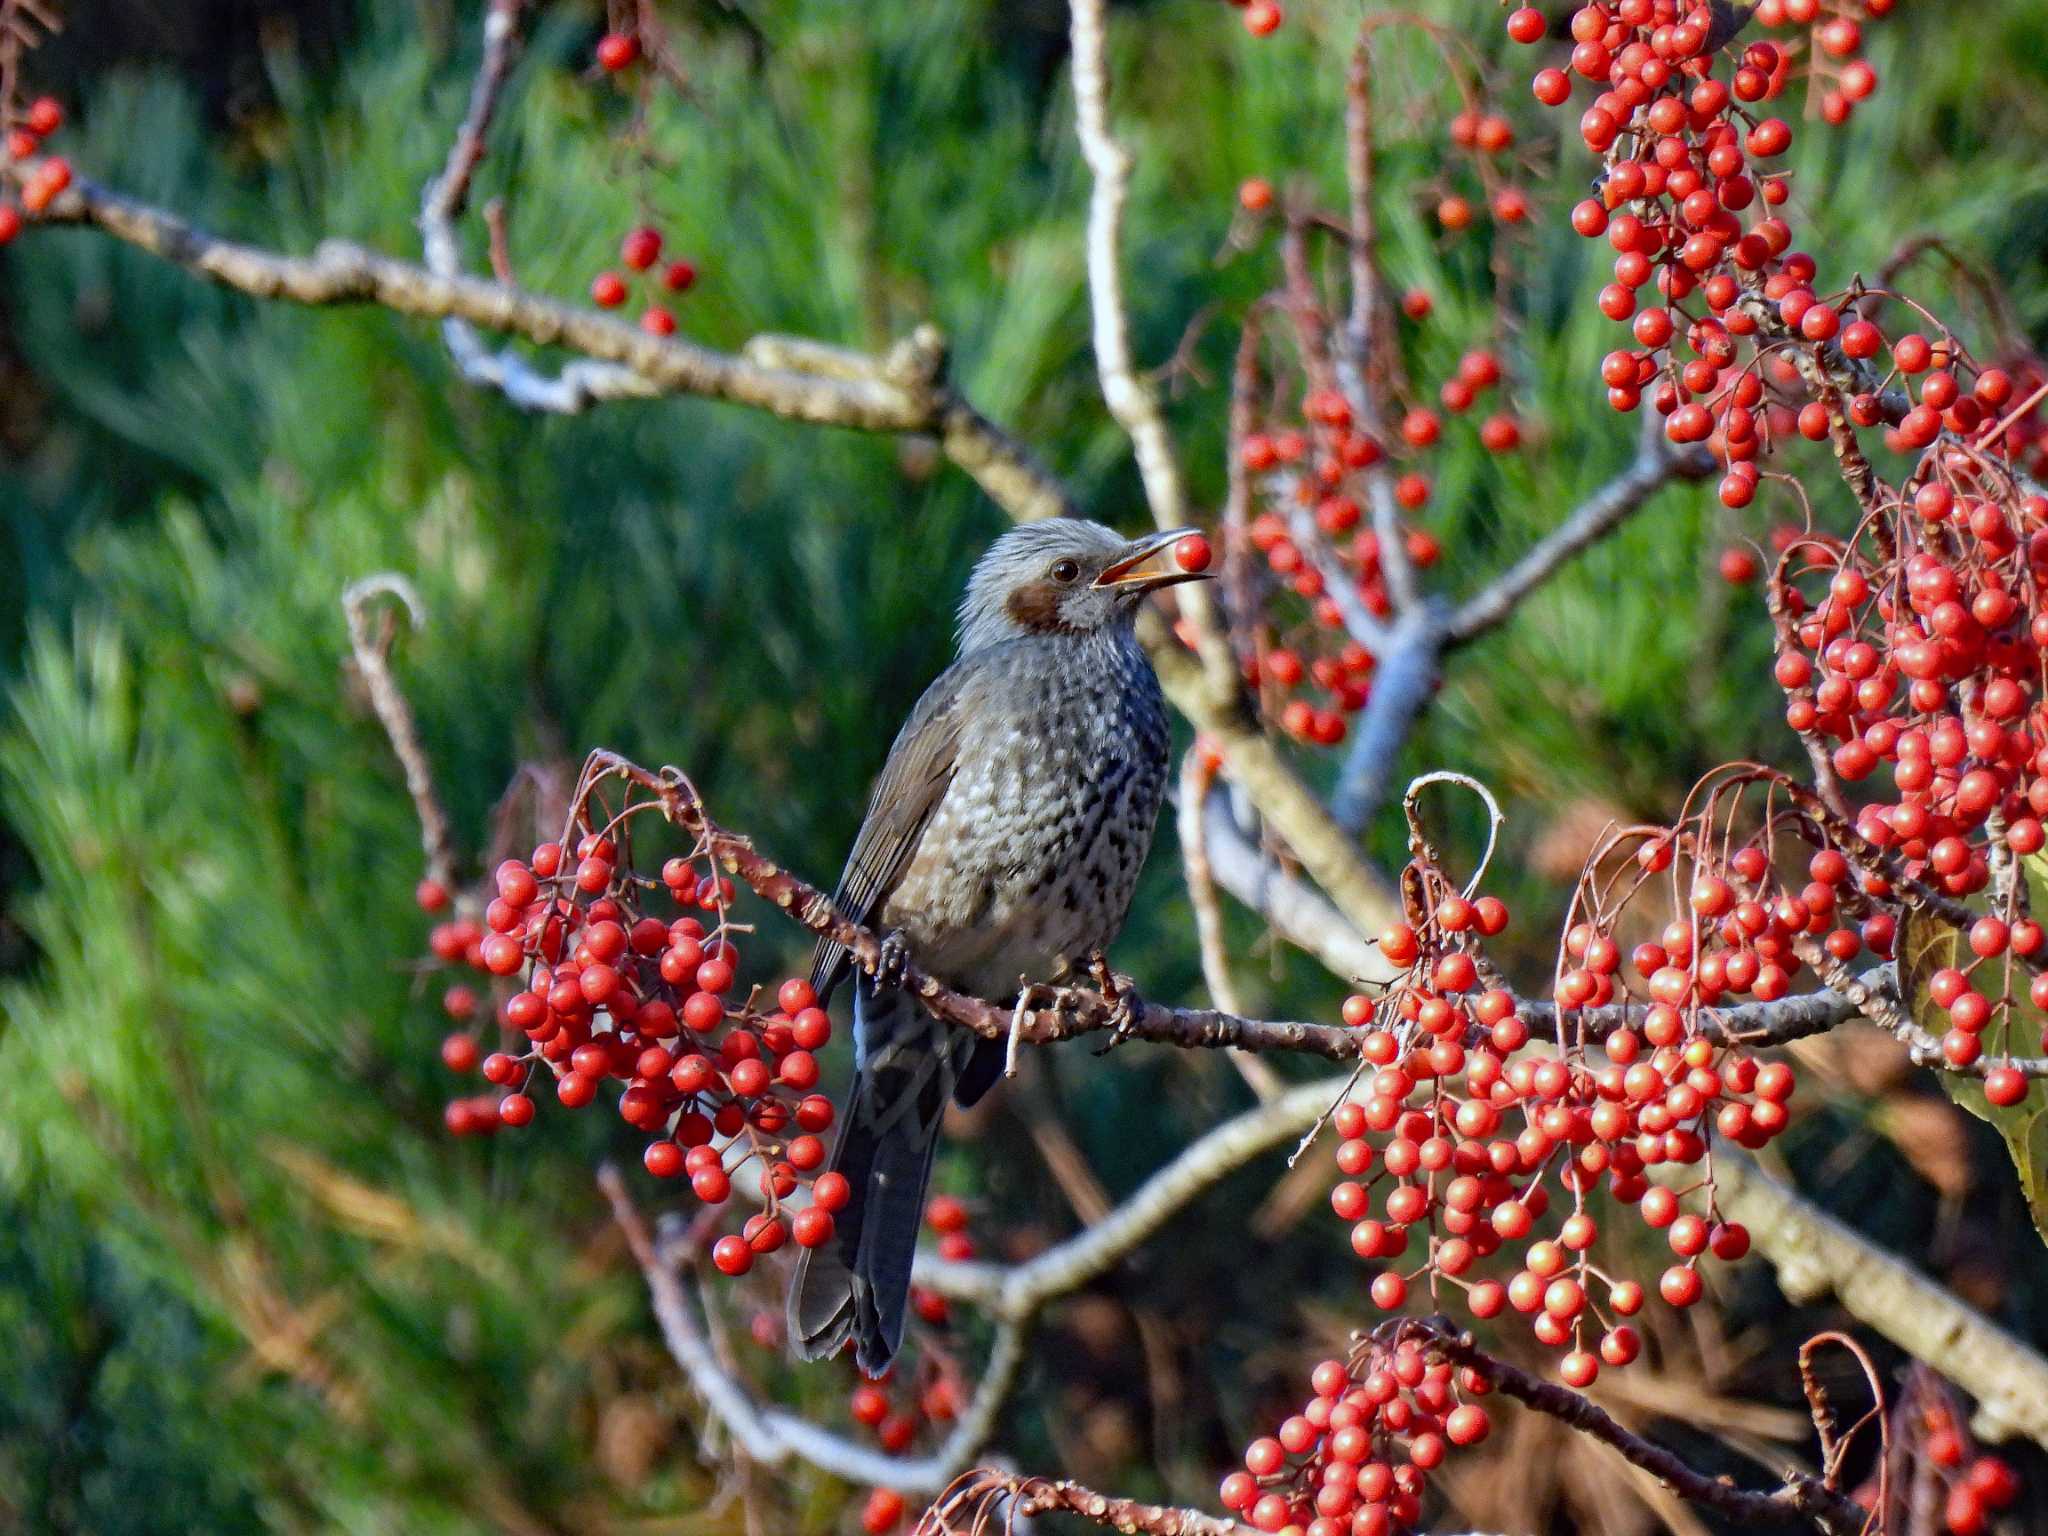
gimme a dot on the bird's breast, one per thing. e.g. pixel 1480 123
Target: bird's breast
pixel 1032 855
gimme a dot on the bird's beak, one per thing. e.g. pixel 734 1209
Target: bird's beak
pixel 1127 572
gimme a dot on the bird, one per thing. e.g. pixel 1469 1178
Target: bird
pixel 1000 849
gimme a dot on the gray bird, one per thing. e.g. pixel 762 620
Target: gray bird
pixel 1002 843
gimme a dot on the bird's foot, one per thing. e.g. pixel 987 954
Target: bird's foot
pixel 891 960
pixel 1126 1008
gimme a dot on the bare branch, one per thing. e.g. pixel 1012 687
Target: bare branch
pixel 769 1435
pixel 578 385
pixel 1878 1000
pixel 1196 777
pixel 1293 811
pixel 1016 1295
pixel 905 392
pixel 1403 684
pixel 1656 463
pixel 1803 1499
pixel 1815 1255
pixel 1195 782
pixel 1131 399
pixel 1021 1499
pixel 1297 911
pixel 394 713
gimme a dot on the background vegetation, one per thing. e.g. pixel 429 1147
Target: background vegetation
pixel 246 1281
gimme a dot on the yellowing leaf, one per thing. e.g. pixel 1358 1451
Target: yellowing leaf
pixel 1927 945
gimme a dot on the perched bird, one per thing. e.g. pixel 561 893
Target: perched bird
pixel 1001 846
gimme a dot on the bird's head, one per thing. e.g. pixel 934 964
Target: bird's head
pixel 1064 576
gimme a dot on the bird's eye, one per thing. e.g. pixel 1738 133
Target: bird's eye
pixel 1065 570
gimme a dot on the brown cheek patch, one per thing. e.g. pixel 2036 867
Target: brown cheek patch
pixel 1036 606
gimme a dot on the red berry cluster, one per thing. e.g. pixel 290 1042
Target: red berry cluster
pixel 1322 482
pixel 1930 1443
pixel 1315 480
pixel 1979 1485
pixel 1460 1134
pixel 597 990
pixel 640 254
pixel 26 128
pixel 1355 1460
pixel 1686 209
pixel 1914 654
pixel 1911 650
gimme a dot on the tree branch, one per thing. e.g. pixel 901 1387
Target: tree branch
pixel 1815 1254
pixel 1656 462
pixel 578 385
pixel 1292 810
pixel 773 1437
pixel 903 392
pixel 1017 1294
pixel 977 1501
pixel 1296 910
pixel 1803 1499
pixel 1196 777
pixel 1130 397
pixel 1403 684
pixel 1131 400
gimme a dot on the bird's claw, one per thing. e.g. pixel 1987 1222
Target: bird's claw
pixel 892 958
pixel 1126 1008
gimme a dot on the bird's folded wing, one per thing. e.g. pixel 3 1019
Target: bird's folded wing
pixel 912 783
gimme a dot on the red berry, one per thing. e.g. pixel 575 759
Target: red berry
pixel 641 248
pixel 1680 1286
pixel 617 50
pixel 1262 18
pixel 608 290
pixel 2005 1086
pixel 732 1255
pixel 882 1512
pixel 1192 553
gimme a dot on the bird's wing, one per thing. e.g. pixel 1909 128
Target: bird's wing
pixel 912 783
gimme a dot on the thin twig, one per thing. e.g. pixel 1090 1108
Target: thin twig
pixel 1130 396
pixel 394 713
pixel 1196 779
pixel 1803 1499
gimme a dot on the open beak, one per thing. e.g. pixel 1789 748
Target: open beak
pixel 1127 572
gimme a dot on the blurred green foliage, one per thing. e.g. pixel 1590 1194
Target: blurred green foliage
pixel 245 1280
